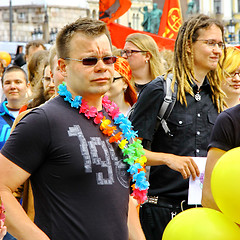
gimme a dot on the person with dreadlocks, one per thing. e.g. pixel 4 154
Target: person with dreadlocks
pixel 198 48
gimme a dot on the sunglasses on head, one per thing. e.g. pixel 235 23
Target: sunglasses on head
pixel 91 61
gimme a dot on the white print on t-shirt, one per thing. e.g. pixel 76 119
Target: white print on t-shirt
pixel 92 158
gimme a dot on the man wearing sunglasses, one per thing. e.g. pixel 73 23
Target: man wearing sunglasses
pixel 80 184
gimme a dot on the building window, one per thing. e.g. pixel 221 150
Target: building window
pixel 197 6
pixel 238 6
pixel 88 13
pixel 217 6
pixel 5 16
pixel 22 17
pixel 94 15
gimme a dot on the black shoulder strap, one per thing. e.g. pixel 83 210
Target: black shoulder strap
pixel 8 119
pixel 167 105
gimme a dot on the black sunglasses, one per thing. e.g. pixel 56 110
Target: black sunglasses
pixel 130 52
pixel 91 61
pixel 116 78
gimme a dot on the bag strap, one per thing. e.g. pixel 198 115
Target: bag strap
pixel 7 119
pixel 167 105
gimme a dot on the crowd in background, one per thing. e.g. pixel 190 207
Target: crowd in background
pixel 206 72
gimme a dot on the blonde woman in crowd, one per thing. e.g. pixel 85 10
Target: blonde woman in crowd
pixel 144 58
pixel 231 76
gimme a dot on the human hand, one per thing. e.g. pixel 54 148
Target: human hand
pixel 2 211
pixel 185 165
pixel 3 230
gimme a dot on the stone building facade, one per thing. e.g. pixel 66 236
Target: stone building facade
pixel 43 20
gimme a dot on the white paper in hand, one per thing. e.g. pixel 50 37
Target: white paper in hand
pixel 195 187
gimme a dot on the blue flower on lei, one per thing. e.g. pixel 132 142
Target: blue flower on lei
pixel 62 90
pixel 133 169
pixel 76 102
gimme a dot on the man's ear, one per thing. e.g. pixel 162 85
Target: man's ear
pixel 148 56
pixel 62 66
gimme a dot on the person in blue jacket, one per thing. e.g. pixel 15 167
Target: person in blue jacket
pixel 14 84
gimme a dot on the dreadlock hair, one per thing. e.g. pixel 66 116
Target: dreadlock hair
pixel 183 63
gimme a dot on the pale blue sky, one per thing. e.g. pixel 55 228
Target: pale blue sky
pixel 76 3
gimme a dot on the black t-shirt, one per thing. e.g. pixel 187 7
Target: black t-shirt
pixel 226 131
pixel 79 180
pixel 191 127
pixel 139 87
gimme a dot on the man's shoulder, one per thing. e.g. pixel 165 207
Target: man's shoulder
pixel 2 109
pixel 48 108
pixel 233 112
pixel 52 103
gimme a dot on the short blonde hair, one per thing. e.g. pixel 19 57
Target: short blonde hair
pixel 87 26
pixel 231 63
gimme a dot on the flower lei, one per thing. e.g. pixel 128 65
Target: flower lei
pixel 134 150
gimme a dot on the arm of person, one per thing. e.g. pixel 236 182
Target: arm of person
pixel 207 198
pixel 3 230
pixel 17 222
pixel 134 225
pixel 183 164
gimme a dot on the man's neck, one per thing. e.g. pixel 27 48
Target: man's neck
pixel 13 106
pixel 122 104
pixel 200 76
pixel 93 101
pixel 143 76
pixel 232 100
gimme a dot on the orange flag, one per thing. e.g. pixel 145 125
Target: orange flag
pixel 119 34
pixel 110 10
pixel 171 19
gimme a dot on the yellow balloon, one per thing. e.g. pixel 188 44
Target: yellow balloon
pixel 6 57
pixel 201 224
pixel 225 182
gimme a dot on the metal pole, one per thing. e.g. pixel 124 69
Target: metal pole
pixel 10 20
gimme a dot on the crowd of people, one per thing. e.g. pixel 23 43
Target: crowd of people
pixel 80 122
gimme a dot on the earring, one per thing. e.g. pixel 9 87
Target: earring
pixel 146 61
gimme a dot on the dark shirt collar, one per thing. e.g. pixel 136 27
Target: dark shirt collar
pixel 205 85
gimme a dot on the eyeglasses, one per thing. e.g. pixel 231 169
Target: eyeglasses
pixel 91 61
pixel 116 78
pixel 212 43
pixel 130 52
pixel 48 80
pixel 232 74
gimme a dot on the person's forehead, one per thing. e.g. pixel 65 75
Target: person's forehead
pixel 47 70
pixel 87 42
pixel 130 46
pixel 13 75
pixel 117 74
pixel 210 29
pixel 33 49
